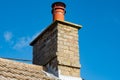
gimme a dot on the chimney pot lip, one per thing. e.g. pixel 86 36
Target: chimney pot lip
pixel 58 3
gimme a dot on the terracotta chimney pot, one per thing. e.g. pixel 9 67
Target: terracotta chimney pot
pixel 58 11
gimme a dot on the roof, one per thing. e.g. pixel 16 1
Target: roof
pixel 11 70
pixel 52 24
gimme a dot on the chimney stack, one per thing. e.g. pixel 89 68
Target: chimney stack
pixel 57 48
pixel 58 11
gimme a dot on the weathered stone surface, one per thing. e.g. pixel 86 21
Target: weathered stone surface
pixel 46 46
pixel 69 71
pixel 68 45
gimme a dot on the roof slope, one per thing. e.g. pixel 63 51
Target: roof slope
pixel 10 70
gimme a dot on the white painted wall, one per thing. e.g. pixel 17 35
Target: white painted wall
pixel 62 77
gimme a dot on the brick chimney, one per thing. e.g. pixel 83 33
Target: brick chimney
pixel 56 48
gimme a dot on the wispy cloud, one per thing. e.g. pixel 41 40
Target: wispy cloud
pixel 19 43
pixel 22 42
pixel 8 36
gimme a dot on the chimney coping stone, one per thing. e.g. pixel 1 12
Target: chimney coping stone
pixel 54 23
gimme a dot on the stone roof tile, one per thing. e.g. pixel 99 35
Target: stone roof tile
pixel 11 70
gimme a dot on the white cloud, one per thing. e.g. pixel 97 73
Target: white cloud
pixel 22 42
pixel 8 36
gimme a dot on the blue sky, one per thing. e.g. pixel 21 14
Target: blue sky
pixel 99 39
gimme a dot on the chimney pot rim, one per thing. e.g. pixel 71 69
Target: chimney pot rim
pixel 58 3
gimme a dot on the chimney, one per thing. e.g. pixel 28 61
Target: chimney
pixel 56 48
pixel 58 11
